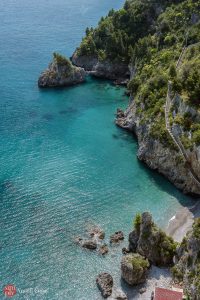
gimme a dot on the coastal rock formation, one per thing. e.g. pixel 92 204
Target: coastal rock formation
pixel 134 268
pixel 116 237
pixel 187 262
pixel 117 294
pixel 105 284
pixel 89 244
pixel 158 156
pixel 61 73
pixel 151 242
pixel 97 232
pixel 103 249
pixel 102 69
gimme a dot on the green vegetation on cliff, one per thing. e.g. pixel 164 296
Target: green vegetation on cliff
pixel 149 36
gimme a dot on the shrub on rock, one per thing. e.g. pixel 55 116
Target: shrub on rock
pixel 134 268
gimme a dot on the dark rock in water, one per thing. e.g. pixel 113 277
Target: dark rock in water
pixel 105 284
pixel 48 117
pixel 61 73
pixel 68 111
pixel 89 244
pixel 103 249
pixel 116 237
pixel 134 268
pixel 97 232
pixel 78 240
pixel 125 250
pixel 115 136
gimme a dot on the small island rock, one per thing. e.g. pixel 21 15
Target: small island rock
pixel 61 72
pixel 105 284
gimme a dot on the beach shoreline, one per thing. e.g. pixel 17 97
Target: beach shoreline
pixel 182 221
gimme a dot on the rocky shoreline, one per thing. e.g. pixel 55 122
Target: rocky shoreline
pixel 151 259
pixel 157 156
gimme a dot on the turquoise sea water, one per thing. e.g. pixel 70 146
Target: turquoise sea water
pixel 64 164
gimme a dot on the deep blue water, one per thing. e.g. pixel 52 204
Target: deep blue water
pixel 64 164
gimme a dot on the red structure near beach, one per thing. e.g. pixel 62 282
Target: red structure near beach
pixel 165 294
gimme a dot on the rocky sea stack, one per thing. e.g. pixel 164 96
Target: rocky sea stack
pixel 151 242
pixel 61 72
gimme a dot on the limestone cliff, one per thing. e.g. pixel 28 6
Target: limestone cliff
pixel 162 156
pixel 102 68
pixel 187 262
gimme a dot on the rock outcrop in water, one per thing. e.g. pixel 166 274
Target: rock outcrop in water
pixel 61 73
pixel 134 268
pixel 151 242
pixel 105 284
pixel 116 237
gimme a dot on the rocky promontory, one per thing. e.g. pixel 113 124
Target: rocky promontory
pixel 107 69
pixel 61 72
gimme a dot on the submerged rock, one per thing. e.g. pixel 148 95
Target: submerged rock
pixel 61 72
pixel 103 249
pixel 134 268
pixel 105 284
pixel 89 244
pixel 116 237
pixel 97 232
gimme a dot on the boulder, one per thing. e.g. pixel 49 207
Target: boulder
pixel 134 268
pixel 118 294
pixel 61 72
pixel 103 249
pixel 105 284
pixel 89 244
pixel 97 232
pixel 116 237
pixel 125 250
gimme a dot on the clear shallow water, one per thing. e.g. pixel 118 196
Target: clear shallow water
pixel 64 164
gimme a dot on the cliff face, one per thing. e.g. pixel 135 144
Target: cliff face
pixel 158 156
pixel 187 262
pixel 102 69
